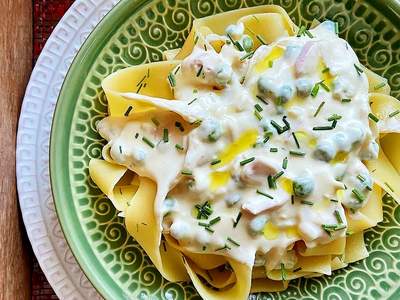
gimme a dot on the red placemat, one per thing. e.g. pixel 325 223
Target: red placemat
pixel 46 14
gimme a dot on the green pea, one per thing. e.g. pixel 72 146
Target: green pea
pixel 303 186
pixel 247 43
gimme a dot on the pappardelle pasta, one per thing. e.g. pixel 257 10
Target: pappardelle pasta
pixel 255 154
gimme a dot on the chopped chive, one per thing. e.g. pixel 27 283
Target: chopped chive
pixel 373 117
pixel 271 63
pixel 215 161
pixel 202 224
pixel 279 174
pixel 204 248
pixel 368 188
pixel 265 194
pixel 297 269
pixel 262 99
pixel 338 217
pixel 390 188
pixel 334 117
pixel 199 71
pixel 297 153
pixel 205 47
pixel 136 135
pixel 209 229
pixel 324 86
pixel 326 70
pixel 165 135
pixel 346 100
pixel 319 108
pixel 271 182
pixel 283 272
pixel 187 172
pixel 349 232
pixel 266 139
pixel 246 161
pixel 141 81
pixel 233 242
pixel 334 200
pixel 128 111
pixel 196 39
pixel 155 121
pixel 301 31
pixel 279 128
pixel 360 177
pixel 120 149
pixel 316 128
pixel 285 163
pixel 307 202
pixel 273 149
pixel 177 70
pixel 395 113
pixel 379 86
pixel 296 140
pixel 258 115
pixel 148 142
pixel 223 248
pixel 258 107
pixel 214 221
pixel 287 125
pixel 148 73
pixel 172 80
pixel 315 89
pixel 248 55
pixel 191 102
pixel 358 69
pixel 196 123
pixel 260 39
pixel 139 88
pixel 337 28
pixel 309 34
pixel 236 222
pixel 292 199
pixel 358 195
pixel 179 147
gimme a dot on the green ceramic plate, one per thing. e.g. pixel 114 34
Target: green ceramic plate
pixel 136 32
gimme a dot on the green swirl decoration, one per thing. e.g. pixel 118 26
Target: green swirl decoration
pixel 147 29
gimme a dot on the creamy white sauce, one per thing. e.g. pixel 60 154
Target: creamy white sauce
pixel 221 90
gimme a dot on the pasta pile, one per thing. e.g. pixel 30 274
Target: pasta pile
pixel 137 91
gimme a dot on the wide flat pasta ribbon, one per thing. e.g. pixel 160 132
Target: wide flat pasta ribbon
pixel 148 79
pixel 274 22
pixel 142 224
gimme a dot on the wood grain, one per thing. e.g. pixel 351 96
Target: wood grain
pixel 15 64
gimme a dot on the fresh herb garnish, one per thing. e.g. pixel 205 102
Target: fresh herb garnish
pixel 136 135
pixel 258 115
pixel 379 86
pixel 262 99
pixel 358 69
pixel 296 140
pixel 297 153
pixel 248 55
pixel 319 108
pixel 314 90
pixel 358 195
pixel 338 217
pixel 261 39
pixel 264 194
pixel 204 210
pixel 246 161
pixel 128 111
pixel 191 102
pixel 285 163
pixel 307 202
pixel 258 107
pixel 214 221
pixel 346 100
pixel 395 113
pixel 236 222
pixel 390 188
pixel 233 242
pixel 279 174
pixel 225 247
pixel 337 28
pixel 326 70
pixel 283 272
pixel 165 135
pixel 297 269
pixel 199 71
pixel 215 162
pixel 179 126
pixel 179 147
pixel 273 150
pixel 334 117
pixel 148 142
pixel 187 172
pixel 279 128
pixel 271 182
pixel 171 80
pixel 120 149
pixel 373 117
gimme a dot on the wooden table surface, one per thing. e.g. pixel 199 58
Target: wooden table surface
pixel 15 64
